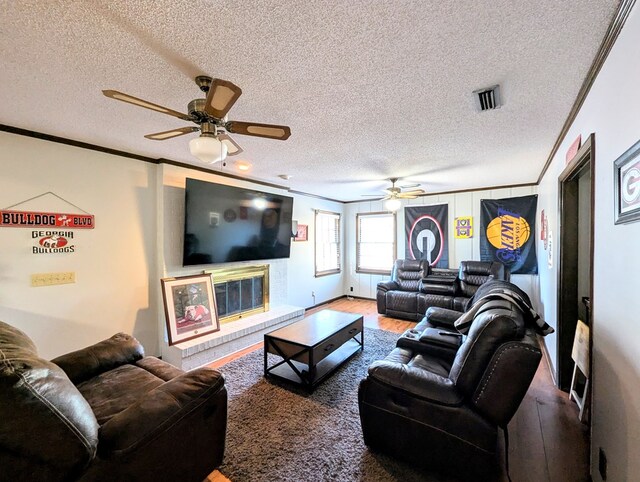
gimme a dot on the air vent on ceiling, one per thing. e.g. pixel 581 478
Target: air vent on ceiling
pixel 488 98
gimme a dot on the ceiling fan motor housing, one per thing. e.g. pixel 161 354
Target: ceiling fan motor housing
pixel 197 113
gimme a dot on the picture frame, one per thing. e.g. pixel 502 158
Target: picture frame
pixel 190 307
pixel 626 175
pixel 302 234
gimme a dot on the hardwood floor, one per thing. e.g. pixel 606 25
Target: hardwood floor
pixel 547 443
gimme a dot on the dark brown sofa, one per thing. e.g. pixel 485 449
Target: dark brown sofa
pixel 439 402
pixel 414 287
pixel 106 413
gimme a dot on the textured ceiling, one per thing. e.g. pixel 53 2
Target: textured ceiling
pixel 371 89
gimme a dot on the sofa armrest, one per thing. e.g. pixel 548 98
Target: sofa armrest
pixel 416 381
pixel 444 317
pixel 388 286
pixel 106 355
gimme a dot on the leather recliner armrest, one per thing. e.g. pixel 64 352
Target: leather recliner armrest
pixel 416 381
pixel 159 410
pixel 106 355
pixel 388 285
pixel 444 317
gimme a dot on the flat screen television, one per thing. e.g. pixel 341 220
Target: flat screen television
pixel 227 223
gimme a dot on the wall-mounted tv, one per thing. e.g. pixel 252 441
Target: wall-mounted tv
pixel 227 223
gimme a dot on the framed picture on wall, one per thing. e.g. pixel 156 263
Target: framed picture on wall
pixel 190 307
pixel 302 233
pixel 626 175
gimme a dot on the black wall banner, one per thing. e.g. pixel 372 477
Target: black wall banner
pixel 426 234
pixel 507 233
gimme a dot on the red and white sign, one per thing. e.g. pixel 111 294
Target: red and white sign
pixel 573 148
pixel 36 219
pixel 50 242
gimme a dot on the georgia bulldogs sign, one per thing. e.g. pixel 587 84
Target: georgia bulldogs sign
pixel 36 219
pixel 50 242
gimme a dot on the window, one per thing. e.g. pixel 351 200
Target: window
pixel 327 243
pixel 375 242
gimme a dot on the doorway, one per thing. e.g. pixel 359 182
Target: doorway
pixel 576 194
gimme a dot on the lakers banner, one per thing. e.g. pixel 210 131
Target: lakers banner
pixel 507 233
pixel 426 234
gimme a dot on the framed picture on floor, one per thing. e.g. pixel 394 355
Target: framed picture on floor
pixel 626 175
pixel 190 307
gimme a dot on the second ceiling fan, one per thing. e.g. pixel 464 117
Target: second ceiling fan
pixel 395 194
pixel 210 115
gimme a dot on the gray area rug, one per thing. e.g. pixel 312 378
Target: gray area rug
pixel 278 432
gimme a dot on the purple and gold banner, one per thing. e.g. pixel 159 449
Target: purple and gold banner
pixel 507 233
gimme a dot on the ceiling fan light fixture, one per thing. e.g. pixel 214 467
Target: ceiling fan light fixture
pixel 243 165
pixel 208 149
pixel 392 204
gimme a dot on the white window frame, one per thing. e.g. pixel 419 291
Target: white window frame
pixel 324 245
pixel 394 252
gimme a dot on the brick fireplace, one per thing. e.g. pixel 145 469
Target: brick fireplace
pixel 251 302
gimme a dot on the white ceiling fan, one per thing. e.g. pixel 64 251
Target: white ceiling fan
pixel 396 193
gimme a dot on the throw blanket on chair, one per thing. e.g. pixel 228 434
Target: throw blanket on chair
pixel 463 323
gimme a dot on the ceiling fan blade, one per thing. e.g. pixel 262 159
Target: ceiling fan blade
pixel 417 192
pixel 221 97
pixel 259 130
pixel 114 94
pixel 162 136
pixel 232 147
pixel 409 186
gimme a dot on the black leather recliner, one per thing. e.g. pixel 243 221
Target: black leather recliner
pixel 106 413
pixel 443 411
pixel 398 297
pixel 472 275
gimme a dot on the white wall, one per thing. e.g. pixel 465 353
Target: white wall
pixel 291 280
pixel 460 204
pixel 139 209
pixel 302 281
pixel 113 262
pixel 611 111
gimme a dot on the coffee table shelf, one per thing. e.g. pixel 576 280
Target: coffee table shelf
pixel 313 348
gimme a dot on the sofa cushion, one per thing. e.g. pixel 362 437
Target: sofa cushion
pixel 404 301
pixel 112 392
pixel 88 362
pixel 496 323
pixel 475 273
pixel 408 273
pixel 425 301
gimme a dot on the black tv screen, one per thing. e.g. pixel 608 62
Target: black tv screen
pixel 226 223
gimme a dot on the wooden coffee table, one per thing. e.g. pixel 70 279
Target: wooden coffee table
pixel 313 348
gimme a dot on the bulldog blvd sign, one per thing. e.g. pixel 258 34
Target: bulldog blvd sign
pixel 36 219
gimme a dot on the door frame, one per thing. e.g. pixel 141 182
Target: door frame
pixel 568 260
